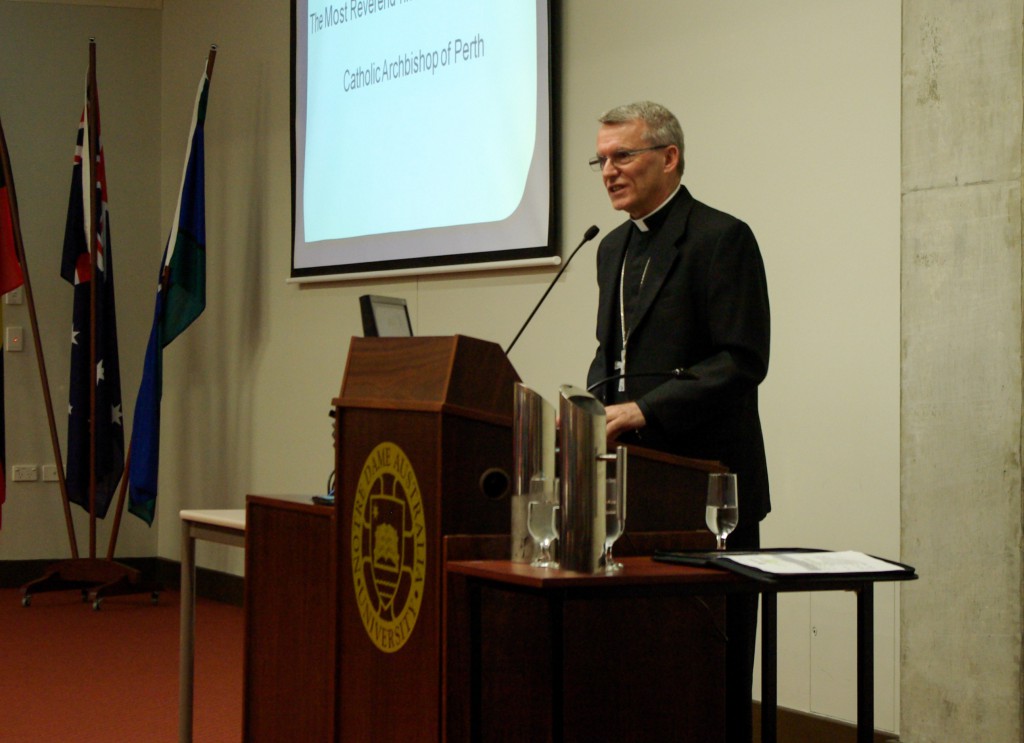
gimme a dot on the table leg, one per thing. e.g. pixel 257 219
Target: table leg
pixel 186 660
pixel 769 666
pixel 865 663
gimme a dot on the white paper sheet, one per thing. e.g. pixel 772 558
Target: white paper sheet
pixel 803 563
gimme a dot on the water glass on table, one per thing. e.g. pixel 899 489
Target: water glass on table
pixel 722 512
pixel 542 522
pixel 615 522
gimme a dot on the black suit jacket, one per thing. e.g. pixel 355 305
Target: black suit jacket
pixel 703 306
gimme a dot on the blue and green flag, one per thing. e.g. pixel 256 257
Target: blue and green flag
pixel 180 299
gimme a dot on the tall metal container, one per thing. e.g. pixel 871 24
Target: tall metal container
pixel 582 497
pixel 533 463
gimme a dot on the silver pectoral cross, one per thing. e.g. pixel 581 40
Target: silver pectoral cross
pixel 620 368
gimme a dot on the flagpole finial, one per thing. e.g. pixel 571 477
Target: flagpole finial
pixel 210 60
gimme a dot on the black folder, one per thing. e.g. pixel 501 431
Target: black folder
pixel 724 561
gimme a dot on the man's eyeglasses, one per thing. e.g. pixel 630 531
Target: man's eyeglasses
pixel 620 158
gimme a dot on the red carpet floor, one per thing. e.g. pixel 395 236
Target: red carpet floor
pixel 68 673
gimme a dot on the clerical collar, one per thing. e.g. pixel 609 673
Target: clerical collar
pixel 643 224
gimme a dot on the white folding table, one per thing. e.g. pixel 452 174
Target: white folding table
pixel 225 526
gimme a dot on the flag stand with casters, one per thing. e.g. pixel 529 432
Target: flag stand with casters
pixel 93 576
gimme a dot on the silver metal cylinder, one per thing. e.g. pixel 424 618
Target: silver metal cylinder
pixel 533 463
pixel 582 497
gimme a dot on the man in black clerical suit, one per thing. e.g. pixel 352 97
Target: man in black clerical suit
pixel 683 285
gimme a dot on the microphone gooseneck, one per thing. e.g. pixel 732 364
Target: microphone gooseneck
pixel 589 235
pixel 677 373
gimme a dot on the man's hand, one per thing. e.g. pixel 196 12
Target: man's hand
pixel 623 419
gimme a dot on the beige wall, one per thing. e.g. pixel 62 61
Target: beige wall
pixel 792 115
pixel 44 57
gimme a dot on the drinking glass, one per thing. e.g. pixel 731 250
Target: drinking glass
pixel 615 523
pixel 543 527
pixel 722 512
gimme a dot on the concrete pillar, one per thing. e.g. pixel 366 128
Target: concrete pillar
pixel 961 408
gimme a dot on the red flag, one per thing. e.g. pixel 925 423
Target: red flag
pixel 10 268
pixel 11 277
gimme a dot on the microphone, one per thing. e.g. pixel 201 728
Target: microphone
pixel 589 235
pixel 677 373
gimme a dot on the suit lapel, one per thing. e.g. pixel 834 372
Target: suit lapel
pixel 665 250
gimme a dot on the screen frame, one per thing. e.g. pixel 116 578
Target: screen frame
pixel 526 256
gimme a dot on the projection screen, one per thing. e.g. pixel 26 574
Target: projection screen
pixel 421 136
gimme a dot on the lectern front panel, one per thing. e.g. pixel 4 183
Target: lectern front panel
pixel 406 478
pixel 388 604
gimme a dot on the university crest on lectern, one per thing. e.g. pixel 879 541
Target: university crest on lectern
pixel 389 547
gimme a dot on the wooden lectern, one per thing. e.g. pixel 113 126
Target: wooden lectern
pixel 423 449
pixel 423 453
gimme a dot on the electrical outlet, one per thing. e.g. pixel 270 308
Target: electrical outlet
pixel 24 473
pixel 49 473
pixel 15 336
pixel 15 296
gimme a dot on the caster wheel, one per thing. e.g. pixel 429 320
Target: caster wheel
pixel 96 604
pixel 154 598
pixel 26 601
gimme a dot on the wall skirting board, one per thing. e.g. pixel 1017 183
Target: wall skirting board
pixel 803 727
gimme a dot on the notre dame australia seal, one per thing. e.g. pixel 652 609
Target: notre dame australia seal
pixel 389 547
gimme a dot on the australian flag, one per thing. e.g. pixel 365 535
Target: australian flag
pixel 104 377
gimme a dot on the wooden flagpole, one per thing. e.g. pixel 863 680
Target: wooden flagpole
pixel 91 223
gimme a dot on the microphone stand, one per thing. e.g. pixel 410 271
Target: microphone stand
pixel 587 237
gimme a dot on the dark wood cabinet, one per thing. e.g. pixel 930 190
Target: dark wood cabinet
pixel 290 610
